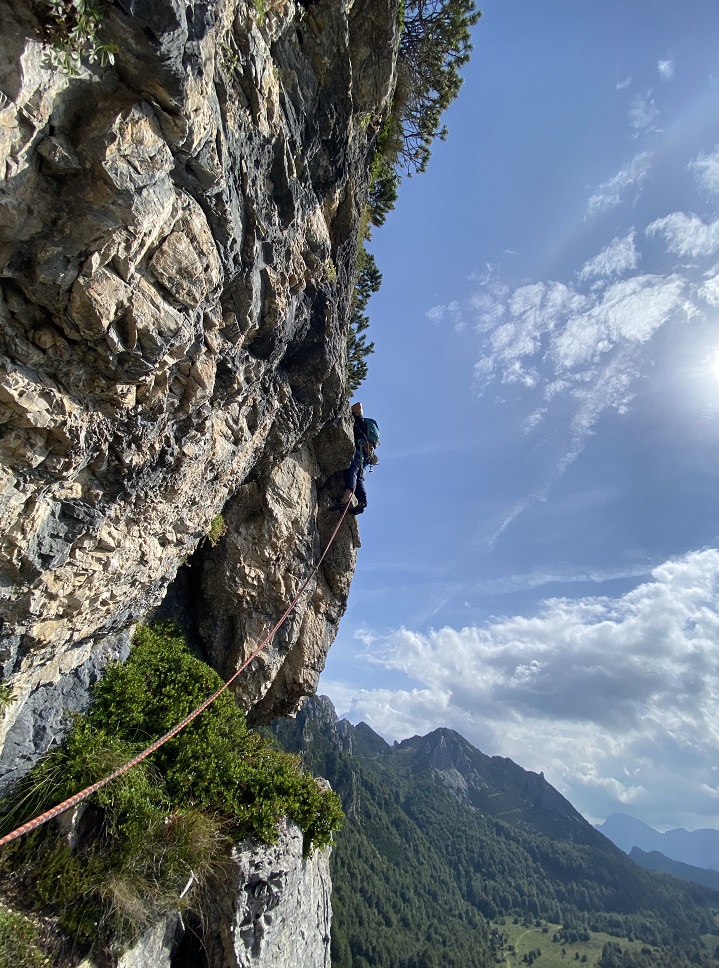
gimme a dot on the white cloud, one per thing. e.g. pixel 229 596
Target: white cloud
pixel 452 310
pixel 534 420
pixel 613 698
pixel 623 85
pixel 710 290
pixel 618 257
pixel 580 351
pixel 628 311
pixel 706 169
pixel 686 234
pixel 610 193
pixel 553 575
pixel 666 69
pixel 643 112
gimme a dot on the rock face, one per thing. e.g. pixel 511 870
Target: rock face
pixel 274 912
pixel 278 913
pixel 178 237
pixel 178 240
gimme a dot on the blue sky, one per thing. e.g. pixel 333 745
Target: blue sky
pixel 539 565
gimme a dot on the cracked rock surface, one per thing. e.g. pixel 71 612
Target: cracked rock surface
pixel 178 237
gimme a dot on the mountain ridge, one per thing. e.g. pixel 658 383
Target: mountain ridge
pixel 697 848
pixel 432 817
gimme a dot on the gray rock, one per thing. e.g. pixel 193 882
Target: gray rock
pixel 178 242
pixel 278 912
pixel 173 321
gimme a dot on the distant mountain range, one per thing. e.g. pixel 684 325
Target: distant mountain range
pixel 654 860
pixel 439 837
pixel 699 848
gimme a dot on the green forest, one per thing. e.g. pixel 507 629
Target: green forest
pixel 441 843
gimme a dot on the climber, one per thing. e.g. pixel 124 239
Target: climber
pixel 366 434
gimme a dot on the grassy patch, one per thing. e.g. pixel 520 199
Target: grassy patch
pixel 137 841
pixel 21 941
pixel 527 939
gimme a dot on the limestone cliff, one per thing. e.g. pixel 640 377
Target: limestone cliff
pixel 178 237
pixel 275 913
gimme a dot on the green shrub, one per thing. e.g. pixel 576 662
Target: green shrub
pixel 72 27
pixel 174 813
pixel 217 529
pixel 20 942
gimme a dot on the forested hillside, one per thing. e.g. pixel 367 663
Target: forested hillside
pixel 439 837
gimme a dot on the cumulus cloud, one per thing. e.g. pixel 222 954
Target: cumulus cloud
pixel 615 259
pixel 706 170
pixel 666 69
pixel 610 193
pixel 534 419
pixel 545 322
pixel 613 698
pixel 686 234
pixel 629 311
pixel 452 311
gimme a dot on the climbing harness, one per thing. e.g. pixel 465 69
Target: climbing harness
pixel 77 798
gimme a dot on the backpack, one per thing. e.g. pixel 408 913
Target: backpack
pixel 372 432
pixel 371 441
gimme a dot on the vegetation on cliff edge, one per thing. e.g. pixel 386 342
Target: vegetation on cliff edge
pixel 172 818
pixel 435 43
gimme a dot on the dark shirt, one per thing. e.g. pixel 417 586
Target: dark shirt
pixel 360 430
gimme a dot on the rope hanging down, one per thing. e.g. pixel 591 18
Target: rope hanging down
pixel 73 801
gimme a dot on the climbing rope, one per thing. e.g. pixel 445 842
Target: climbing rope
pixel 77 798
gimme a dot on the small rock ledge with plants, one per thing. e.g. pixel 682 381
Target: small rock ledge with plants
pixel 181 216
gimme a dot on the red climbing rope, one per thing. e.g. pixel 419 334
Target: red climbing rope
pixel 72 801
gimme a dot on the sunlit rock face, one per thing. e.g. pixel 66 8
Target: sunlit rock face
pixel 178 237
pixel 277 910
pixel 274 911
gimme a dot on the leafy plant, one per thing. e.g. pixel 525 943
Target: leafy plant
pixel 142 835
pixel 72 28
pixel 7 696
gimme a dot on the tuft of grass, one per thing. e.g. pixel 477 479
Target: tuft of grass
pixel 7 697
pixel 218 527
pixel 175 815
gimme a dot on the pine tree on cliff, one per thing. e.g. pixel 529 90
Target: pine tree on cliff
pixel 369 279
pixel 434 45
